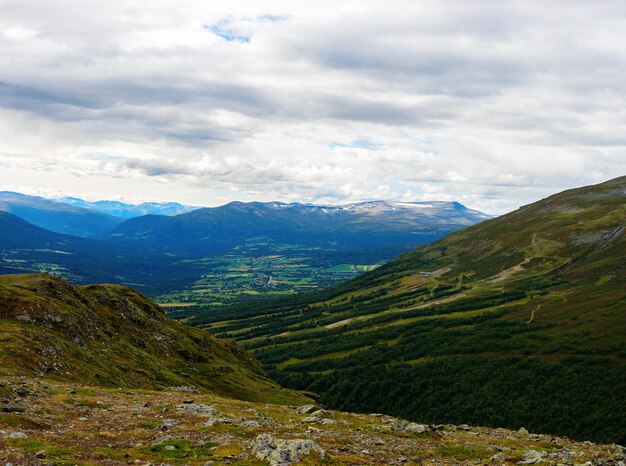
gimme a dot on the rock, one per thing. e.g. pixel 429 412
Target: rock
pixel 415 428
pixel 13 408
pixel 317 420
pixel 185 389
pixel 169 448
pixel 283 452
pixel 497 458
pixel 83 419
pixel 306 409
pixel 209 463
pixel 217 420
pixel 532 457
pixel 198 409
pixel 463 427
pixel 167 423
pixel 15 435
pixel 41 454
pixel 522 431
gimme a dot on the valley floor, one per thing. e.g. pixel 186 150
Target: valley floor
pixel 46 423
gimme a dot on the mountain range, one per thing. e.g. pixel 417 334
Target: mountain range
pixel 353 226
pixel 125 210
pixel 159 253
pixel 57 216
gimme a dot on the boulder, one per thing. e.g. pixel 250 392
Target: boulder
pixel 306 409
pixel 198 409
pixel 532 457
pixel 283 452
pixel 416 428
pixel 12 408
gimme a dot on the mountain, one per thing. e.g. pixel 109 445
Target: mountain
pixel 354 226
pixel 110 335
pixel 126 211
pixel 516 321
pixel 198 257
pixel 26 248
pixel 57 216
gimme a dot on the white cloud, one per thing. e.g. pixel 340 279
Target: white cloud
pixel 492 104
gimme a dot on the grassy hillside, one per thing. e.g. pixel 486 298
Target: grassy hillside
pixel 516 321
pixel 111 335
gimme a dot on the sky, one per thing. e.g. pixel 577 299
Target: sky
pixel 493 104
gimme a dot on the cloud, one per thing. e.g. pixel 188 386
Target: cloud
pixel 492 104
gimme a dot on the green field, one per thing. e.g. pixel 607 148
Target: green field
pixel 239 276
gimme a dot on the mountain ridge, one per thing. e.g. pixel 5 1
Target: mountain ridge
pixel 111 335
pixel 359 225
pixel 127 210
pixel 56 216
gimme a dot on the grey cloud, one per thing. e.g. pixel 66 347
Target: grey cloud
pixel 464 97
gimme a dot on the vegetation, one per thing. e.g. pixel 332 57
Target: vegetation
pixel 113 336
pixel 516 321
pixel 119 427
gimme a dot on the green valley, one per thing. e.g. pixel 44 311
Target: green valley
pixel 516 321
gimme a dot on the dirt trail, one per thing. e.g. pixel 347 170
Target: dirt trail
pixel 338 324
pixel 532 314
pixel 511 270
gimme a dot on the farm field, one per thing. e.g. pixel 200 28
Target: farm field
pixel 245 274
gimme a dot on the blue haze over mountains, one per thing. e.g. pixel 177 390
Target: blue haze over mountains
pixel 113 242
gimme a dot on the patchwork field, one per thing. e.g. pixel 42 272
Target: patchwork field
pixel 236 277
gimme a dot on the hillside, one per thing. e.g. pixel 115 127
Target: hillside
pixel 56 216
pixel 113 336
pixel 26 248
pixel 65 424
pixel 516 321
pixel 353 226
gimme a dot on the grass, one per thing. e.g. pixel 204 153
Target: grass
pixel 111 335
pixel 34 445
pixel 462 453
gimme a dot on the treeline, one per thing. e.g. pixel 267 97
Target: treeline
pixel 574 397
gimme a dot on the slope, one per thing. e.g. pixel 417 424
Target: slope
pixel 26 248
pixel 65 424
pixel 57 216
pixel 113 336
pixel 519 320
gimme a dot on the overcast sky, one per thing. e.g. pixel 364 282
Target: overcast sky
pixel 494 104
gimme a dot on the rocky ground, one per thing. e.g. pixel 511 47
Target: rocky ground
pixel 47 423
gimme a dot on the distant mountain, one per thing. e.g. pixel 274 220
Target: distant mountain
pixel 57 216
pixel 26 248
pixel 517 321
pixel 111 335
pixel 353 226
pixel 126 211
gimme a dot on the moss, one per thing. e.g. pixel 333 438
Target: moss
pixel 462 453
